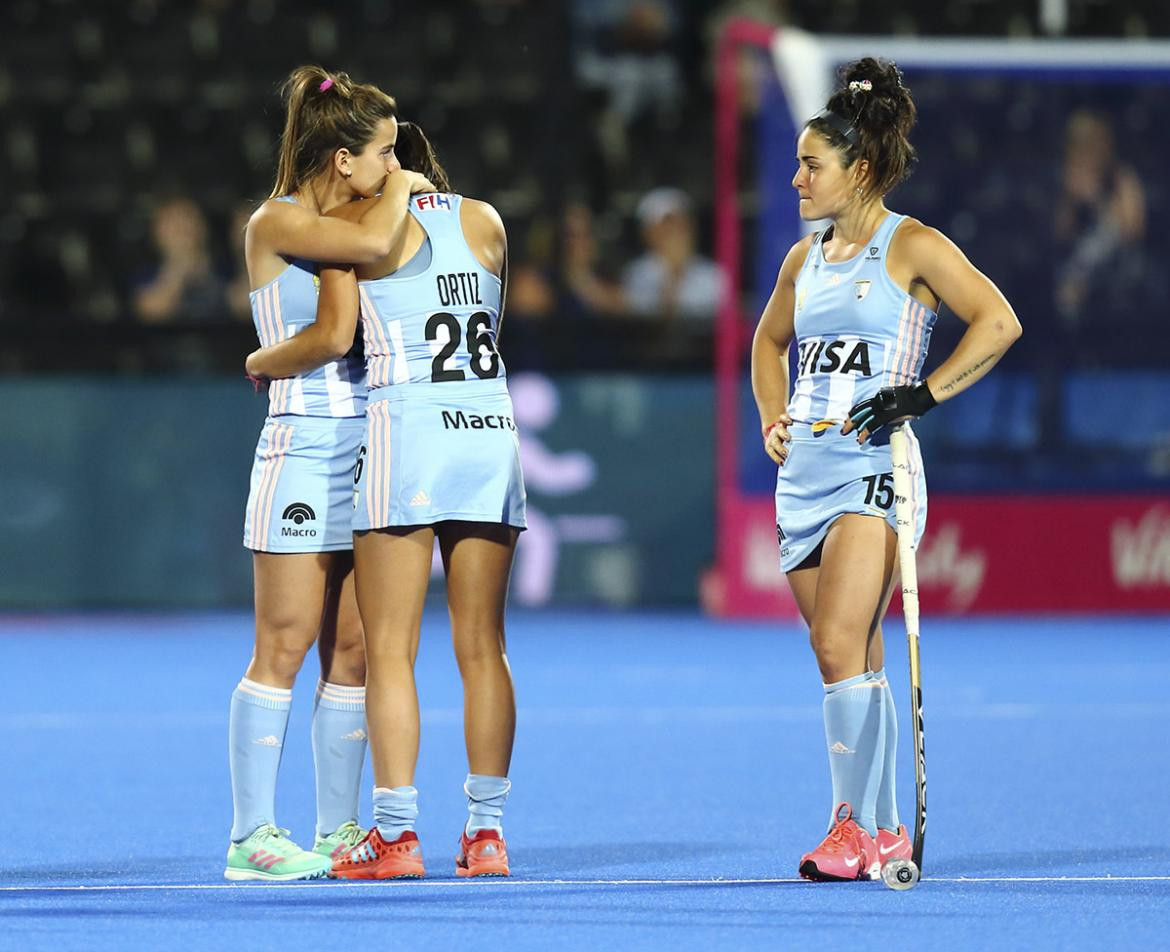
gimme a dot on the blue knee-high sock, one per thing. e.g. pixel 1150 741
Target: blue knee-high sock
pixel 339 752
pixel 395 810
pixel 486 796
pixel 887 800
pixel 259 717
pixel 853 731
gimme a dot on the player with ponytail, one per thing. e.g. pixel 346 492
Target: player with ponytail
pixel 337 146
pixel 440 461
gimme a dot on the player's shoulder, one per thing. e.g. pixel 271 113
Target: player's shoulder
pixel 273 215
pixel 914 237
pixel 794 260
pixel 277 208
pixel 483 230
pixel 478 212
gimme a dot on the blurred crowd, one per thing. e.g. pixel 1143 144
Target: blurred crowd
pixel 140 135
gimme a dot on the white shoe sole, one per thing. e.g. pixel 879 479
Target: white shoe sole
pixel 257 875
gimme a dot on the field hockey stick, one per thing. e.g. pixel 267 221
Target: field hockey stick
pixel 903 511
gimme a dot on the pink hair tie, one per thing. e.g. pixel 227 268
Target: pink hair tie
pixel 325 84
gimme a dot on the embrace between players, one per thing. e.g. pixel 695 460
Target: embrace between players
pixel 364 461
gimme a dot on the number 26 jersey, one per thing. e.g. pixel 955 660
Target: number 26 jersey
pixel 436 323
pixel 441 441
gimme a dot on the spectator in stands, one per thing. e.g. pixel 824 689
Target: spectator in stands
pixel 671 279
pixel 529 321
pixel 628 51
pixel 1099 269
pixel 1100 223
pixel 184 285
pixel 586 288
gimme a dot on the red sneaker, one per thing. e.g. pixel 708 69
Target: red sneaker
pixel 891 846
pixel 375 858
pixel 482 855
pixel 847 853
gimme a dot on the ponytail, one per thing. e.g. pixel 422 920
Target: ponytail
pixel 324 112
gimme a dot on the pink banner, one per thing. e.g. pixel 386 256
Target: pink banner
pixel 984 554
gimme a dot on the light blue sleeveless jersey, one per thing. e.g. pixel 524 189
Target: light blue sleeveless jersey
pixel 301 491
pixel 856 332
pixel 439 325
pixel 441 441
pixel 284 307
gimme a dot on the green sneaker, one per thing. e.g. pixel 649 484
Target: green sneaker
pixel 345 837
pixel 269 854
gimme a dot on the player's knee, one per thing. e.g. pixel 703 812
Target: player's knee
pixel 836 649
pixel 349 661
pixel 388 650
pixel 476 648
pixel 282 643
pixel 283 659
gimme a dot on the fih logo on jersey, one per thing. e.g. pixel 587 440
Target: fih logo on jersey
pixel 432 202
pixel 299 513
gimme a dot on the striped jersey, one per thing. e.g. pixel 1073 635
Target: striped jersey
pixel 284 307
pixel 437 323
pixel 856 330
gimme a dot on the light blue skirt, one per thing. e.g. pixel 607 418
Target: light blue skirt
pixel 301 497
pixel 828 475
pixel 437 452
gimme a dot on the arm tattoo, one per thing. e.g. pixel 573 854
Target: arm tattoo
pixel 948 387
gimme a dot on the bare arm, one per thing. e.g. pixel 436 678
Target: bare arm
pixel 770 345
pixel 488 240
pixel 328 338
pixel 503 295
pixel 286 228
pixel 924 256
pixel 992 325
pixel 484 230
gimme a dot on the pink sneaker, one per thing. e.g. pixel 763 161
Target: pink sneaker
pixel 483 855
pixel 892 846
pixel 847 853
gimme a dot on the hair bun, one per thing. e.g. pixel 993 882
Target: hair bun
pixel 877 112
pixel 878 96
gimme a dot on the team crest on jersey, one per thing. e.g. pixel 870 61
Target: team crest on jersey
pixel 861 289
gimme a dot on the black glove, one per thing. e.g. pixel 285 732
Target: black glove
pixel 890 404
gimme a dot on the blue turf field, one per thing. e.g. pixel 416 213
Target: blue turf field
pixel 669 770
